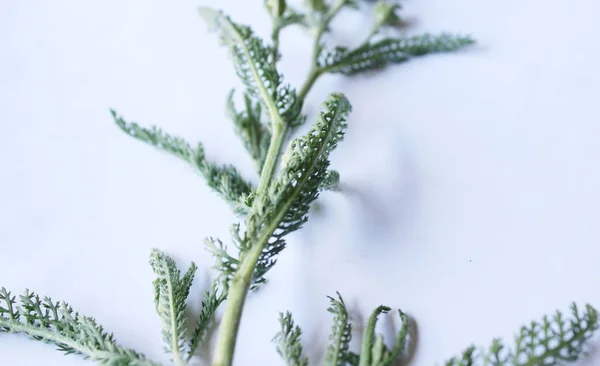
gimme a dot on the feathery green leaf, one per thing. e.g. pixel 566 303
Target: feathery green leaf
pixel 293 17
pixel 212 300
pixel 467 358
pixel 171 292
pixel 276 8
pixel 369 354
pixel 56 323
pixel 223 179
pixel 289 344
pixel 156 137
pixel 389 357
pixel 285 207
pixel 255 136
pixel 379 54
pixel 253 63
pixel 338 352
pixel 319 6
pixel 551 341
pixel 331 181
pixel 226 263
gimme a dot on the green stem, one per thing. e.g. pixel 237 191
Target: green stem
pixel 277 139
pixel 312 77
pixel 370 36
pixel 279 127
pixel 177 359
pixel 315 71
pixel 334 10
pixel 369 335
pixel 93 353
pixel 241 281
pixel 230 324
pixel 275 39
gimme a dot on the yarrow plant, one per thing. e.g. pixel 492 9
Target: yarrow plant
pixel 277 206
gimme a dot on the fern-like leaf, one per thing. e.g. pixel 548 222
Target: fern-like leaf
pixel 285 207
pixel 254 135
pixel 338 352
pixel 156 137
pixel 223 179
pixel 292 17
pixel 379 54
pixel 331 181
pixel 253 63
pixel 289 345
pixel 56 323
pixel 374 352
pixel 171 291
pixel 225 263
pixel 371 354
pixel 212 300
pixel 317 6
pixel 551 341
pixel 467 358
pixel 389 357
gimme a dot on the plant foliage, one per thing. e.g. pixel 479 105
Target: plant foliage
pixel 289 182
pixel 224 179
pixel 56 323
pixel 554 340
pixel 377 55
pixel 289 345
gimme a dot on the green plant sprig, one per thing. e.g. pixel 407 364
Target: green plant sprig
pixel 277 206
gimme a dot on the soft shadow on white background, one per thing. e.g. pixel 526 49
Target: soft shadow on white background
pixel 471 179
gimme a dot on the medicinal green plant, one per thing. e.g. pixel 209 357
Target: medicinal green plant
pixel 289 181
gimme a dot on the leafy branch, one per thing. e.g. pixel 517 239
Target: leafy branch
pixel 338 352
pixel 276 207
pixel 288 339
pixel 551 341
pixel 252 60
pixel 223 179
pixel 255 136
pixel 55 322
pixel 254 66
pixel 170 294
pixel 377 55
pixel 277 212
pixel 213 299
pixel 373 351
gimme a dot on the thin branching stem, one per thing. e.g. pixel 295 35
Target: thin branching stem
pixel 315 72
pixel 277 140
pixel 329 133
pixel 278 207
pixel 275 39
pixel 369 37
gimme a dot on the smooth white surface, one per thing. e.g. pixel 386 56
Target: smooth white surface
pixel 473 178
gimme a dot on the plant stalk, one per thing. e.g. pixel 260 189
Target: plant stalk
pixel 315 71
pixel 230 324
pixel 312 77
pixel 241 281
pixel 277 139
pixel 275 39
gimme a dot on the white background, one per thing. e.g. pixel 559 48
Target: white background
pixel 472 178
